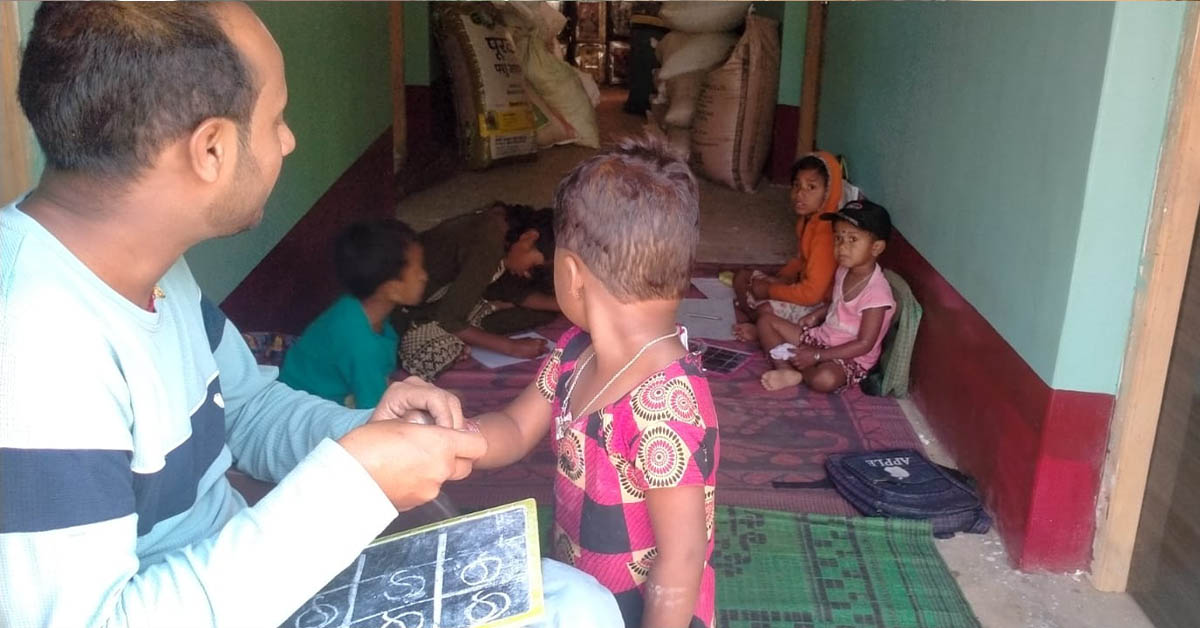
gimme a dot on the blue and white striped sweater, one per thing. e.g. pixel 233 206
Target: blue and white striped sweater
pixel 116 428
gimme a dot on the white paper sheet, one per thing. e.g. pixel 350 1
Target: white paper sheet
pixel 707 318
pixel 713 288
pixel 493 360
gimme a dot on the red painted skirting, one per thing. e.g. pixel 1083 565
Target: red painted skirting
pixel 783 144
pixel 295 281
pixel 1037 452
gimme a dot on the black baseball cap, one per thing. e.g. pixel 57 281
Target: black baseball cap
pixel 865 215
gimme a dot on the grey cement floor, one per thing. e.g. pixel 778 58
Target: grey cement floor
pixel 1003 597
pixel 738 228
pixel 728 219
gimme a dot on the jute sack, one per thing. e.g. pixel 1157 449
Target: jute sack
pixel 495 119
pixel 731 128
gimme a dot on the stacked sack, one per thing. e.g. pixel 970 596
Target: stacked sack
pixel 495 119
pixel 512 93
pixel 700 40
pixel 720 90
pixel 563 106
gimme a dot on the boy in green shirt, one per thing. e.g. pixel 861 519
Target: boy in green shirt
pixel 348 352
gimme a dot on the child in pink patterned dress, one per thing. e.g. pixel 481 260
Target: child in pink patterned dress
pixel 833 348
pixel 628 409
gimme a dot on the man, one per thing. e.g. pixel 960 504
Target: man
pixel 124 395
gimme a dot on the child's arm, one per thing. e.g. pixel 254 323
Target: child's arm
pixel 868 333
pixel 678 519
pixel 540 301
pixel 815 278
pixel 514 431
pixel 527 348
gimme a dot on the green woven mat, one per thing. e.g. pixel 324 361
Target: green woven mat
pixel 777 569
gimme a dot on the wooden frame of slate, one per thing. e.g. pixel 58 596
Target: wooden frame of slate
pixel 481 569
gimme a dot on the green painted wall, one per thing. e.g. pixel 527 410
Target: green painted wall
pixel 417 44
pixel 996 140
pixel 1134 102
pixel 791 56
pixel 337 62
pixel 25 11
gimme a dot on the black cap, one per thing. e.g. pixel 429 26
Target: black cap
pixel 865 215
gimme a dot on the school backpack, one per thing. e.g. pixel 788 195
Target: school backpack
pixel 903 483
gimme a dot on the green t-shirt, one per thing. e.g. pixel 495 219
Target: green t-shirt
pixel 340 355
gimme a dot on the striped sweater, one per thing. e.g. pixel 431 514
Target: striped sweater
pixel 116 428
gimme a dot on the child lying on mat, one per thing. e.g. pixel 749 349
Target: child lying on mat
pixel 628 410
pixel 347 354
pixel 480 289
pixel 833 348
pixel 804 282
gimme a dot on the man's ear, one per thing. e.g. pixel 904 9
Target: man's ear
pixel 212 148
pixel 529 237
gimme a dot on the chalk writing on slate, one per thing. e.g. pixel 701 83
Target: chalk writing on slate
pixel 481 569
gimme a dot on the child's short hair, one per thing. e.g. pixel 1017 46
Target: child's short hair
pixel 522 218
pixel 367 254
pixel 810 162
pixel 631 213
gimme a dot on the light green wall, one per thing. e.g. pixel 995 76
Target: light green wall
pixel 791 57
pixel 1129 132
pixel 1018 160
pixel 337 63
pixel 417 45
pixel 25 11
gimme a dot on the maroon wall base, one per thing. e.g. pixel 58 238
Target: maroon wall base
pixel 295 281
pixel 783 143
pixel 1036 451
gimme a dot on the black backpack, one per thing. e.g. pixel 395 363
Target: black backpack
pixel 903 483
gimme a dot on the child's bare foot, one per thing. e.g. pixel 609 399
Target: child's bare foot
pixel 781 378
pixel 746 332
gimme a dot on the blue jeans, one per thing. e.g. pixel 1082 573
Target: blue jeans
pixel 576 599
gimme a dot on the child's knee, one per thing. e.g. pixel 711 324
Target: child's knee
pixel 824 381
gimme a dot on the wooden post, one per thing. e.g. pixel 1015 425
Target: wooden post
pixel 16 169
pixel 399 113
pixel 1156 312
pixel 810 90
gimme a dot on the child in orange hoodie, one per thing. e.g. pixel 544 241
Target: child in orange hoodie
pixel 804 283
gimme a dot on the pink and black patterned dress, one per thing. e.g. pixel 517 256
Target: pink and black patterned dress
pixel 662 434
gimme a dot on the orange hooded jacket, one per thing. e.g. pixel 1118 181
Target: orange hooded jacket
pixel 814 258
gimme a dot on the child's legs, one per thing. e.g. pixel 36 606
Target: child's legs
pixel 427 349
pixel 825 377
pixel 741 287
pixel 774 331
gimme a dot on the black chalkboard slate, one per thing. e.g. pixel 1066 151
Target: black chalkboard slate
pixel 481 569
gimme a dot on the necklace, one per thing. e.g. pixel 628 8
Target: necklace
pixel 565 418
pixel 856 286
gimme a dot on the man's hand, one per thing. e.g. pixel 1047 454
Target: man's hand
pixel 410 462
pixel 416 393
pixel 528 348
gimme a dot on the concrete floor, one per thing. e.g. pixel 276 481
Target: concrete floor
pixel 1003 597
pixel 738 228
pixel 728 219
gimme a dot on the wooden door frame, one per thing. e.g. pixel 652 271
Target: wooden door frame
pixel 1166 254
pixel 399 107
pixel 810 88
pixel 16 162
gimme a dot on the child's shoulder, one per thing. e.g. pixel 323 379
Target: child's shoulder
pixel 880 288
pixel 572 343
pixel 678 392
